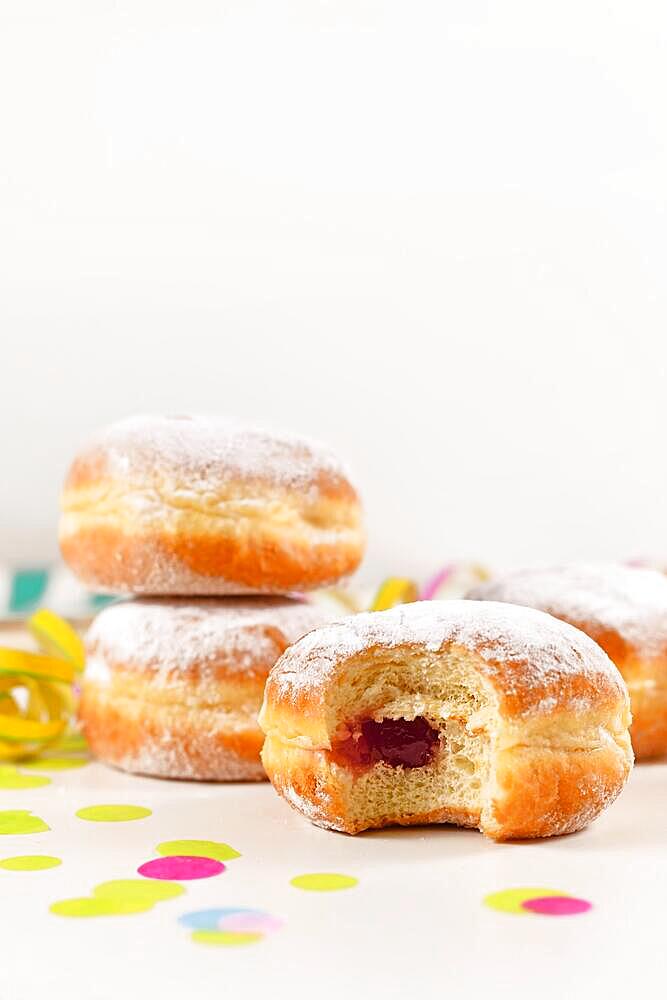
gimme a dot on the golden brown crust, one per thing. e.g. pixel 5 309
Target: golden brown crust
pixel 172 687
pixel 545 792
pixel 201 506
pixel 109 558
pixel 558 737
pixel 649 720
pixel 129 728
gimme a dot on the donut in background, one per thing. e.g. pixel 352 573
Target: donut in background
pixel 624 609
pixel 172 687
pixel 207 506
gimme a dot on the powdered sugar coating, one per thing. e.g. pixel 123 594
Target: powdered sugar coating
pixel 167 758
pixel 507 637
pixel 627 600
pixel 205 451
pixel 176 634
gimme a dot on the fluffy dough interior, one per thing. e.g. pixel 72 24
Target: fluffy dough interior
pixel 446 691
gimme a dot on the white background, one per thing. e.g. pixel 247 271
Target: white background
pixel 432 234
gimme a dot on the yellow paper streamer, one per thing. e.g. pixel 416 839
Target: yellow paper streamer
pixel 57 637
pixel 395 590
pixel 36 693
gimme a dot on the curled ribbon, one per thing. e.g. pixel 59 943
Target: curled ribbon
pixel 395 590
pixel 36 689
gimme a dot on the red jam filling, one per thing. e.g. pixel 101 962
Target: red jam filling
pixel 397 742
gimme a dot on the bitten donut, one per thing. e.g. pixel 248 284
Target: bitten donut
pixel 207 506
pixel 172 688
pixel 624 609
pixel 482 715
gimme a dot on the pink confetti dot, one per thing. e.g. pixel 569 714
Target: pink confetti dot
pixel 262 923
pixel 557 906
pixel 179 867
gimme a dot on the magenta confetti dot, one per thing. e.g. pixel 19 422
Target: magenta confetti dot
pixel 180 867
pixel 557 906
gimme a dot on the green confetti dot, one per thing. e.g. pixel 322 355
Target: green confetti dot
pixel 510 900
pixel 20 821
pixel 112 813
pixel 198 849
pixel 56 764
pixel 323 882
pixel 29 863
pixel 92 906
pixel 226 939
pixel 11 777
pixel 138 890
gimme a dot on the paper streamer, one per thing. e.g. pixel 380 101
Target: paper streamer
pixel 436 582
pixel 395 590
pixel 453 580
pixel 36 689
pixel 57 637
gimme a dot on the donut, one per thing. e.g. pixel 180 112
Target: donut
pixel 172 687
pixel 207 506
pixel 478 714
pixel 624 609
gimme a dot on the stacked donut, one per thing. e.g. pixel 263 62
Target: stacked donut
pixel 212 528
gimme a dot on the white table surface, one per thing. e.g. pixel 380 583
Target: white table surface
pixel 415 922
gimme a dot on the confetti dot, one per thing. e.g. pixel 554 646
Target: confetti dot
pixel 557 906
pixel 56 764
pixel 225 939
pixel 231 919
pixel 251 921
pixel 137 890
pixel 181 867
pixel 11 777
pixel 92 906
pixel 512 900
pixel 323 882
pixel 198 849
pixel 21 821
pixel 113 813
pixel 29 863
